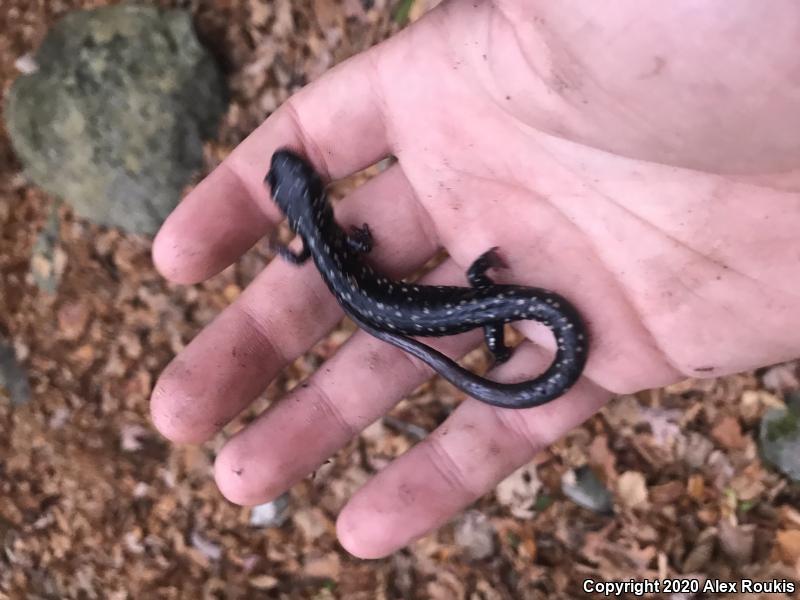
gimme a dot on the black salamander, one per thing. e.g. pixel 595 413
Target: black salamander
pixel 395 310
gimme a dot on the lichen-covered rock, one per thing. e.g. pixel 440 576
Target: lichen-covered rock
pixel 112 119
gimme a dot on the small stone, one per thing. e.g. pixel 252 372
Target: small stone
pixel 779 440
pixel 26 64
pixel 585 489
pixel 475 534
pixel 270 514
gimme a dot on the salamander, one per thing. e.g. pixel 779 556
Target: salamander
pixel 394 311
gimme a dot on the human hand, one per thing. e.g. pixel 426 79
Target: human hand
pixel 594 146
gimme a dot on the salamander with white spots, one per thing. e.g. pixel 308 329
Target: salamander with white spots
pixel 393 311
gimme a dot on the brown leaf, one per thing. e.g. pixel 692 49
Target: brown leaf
pixel 788 545
pixel 790 516
pixel 667 493
pixel 264 582
pixel 696 487
pixel 749 484
pixel 701 553
pixel 325 566
pixel 728 434
pixel 601 456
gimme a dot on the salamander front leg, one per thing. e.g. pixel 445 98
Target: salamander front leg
pixel 476 274
pixel 360 239
pixel 295 258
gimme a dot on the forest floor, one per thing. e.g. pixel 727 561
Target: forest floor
pixel 94 503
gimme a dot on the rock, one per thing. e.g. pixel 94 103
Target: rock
pixel 270 514
pixel 584 488
pixel 475 534
pixel 113 116
pixel 13 378
pixel 779 440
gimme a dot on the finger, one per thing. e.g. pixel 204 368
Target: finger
pixel 358 384
pixel 472 451
pixel 279 316
pixel 335 121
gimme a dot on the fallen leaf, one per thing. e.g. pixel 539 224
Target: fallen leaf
pixel 475 534
pixel 263 582
pixel 601 457
pixel 326 566
pixel 632 489
pixel 737 541
pixel 667 493
pixel 696 487
pixel 749 484
pixel 790 516
pixel 312 522
pixel 518 491
pixel 781 377
pixel 789 545
pixel 701 553
pixel 728 434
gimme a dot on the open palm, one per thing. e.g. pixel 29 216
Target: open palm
pixel 660 198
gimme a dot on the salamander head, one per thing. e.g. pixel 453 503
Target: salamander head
pixel 296 188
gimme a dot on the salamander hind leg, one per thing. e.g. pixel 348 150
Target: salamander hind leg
pixel 495 341
pixel 476 274
pixel 360 239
